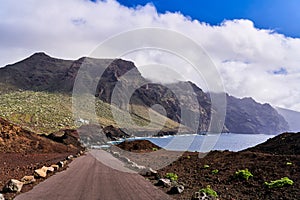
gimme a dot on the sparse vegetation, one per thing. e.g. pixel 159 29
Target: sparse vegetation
pixel 215 171
pixel 45 112
pixel 172 176
pixel 289 163
pixel 39 111
pixel 279 183
pixel 208 191
pixel 205 166
pixel 154 149
pixel 243 174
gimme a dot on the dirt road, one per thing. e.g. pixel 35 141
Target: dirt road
pixel 90 178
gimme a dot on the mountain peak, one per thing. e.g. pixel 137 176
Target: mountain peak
pixel 40 54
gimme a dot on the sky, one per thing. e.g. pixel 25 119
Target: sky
pixel 255 45
pixel 279 15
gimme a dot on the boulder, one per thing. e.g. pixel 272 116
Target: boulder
pixel 148 172
pixel 202 196
pixel 56 167
pixel 50 169
pixel 28 180
pixel 138 167
pixel 125 159
pixel 164 182
pixel 116 154
pixel 70 157
pixel 1 197
pixel 178 189
pixel 13 185
pixel 62 163
pixel 42 172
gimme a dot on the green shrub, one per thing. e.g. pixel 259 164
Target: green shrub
pixel 215 171
pixel 208 191
pixel 205 166
pixel 188 157
pixel 289 163
pixel 279 183
pixel 154 149
pixel 244 174
pixel 172 176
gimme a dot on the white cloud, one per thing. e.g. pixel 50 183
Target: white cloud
pixel 245 56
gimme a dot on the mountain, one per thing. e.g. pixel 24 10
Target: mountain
pixel 292 117
pixel 247 116
pixel 118 82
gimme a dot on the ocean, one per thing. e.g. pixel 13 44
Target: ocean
pixel 205 143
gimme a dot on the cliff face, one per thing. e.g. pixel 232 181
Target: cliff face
pixel 247 116
pixel 123 80
pixel 292 117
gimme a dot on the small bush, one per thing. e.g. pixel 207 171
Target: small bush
pixel 172 176
pixel 215 171
pixel 208 191
pixel 243 174
pixel 188 157
pixel 289 163
pixel 279 183
pixel 206 166
pixel 154 149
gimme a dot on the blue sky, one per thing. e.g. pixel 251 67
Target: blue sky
pixel 283 16
pixel 240 36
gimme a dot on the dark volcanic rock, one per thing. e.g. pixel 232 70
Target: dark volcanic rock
pixel 105 77
pixel 247 116
pixel 114 133
pixel 174 98
pixel 38 72
pixel 283 144
pixel 138 146
pixel 67 137
pixel 92 134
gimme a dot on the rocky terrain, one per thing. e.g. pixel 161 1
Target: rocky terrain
pixel 247 116
pixel 283 144
pixel 138 146
pixel 218 171
pixel 40 72
pixel 22 152
pixel 15 139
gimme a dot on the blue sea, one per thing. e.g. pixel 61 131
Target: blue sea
pixel 206 143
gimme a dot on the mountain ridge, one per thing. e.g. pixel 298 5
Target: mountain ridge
pixel 41 72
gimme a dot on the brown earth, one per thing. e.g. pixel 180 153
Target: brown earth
pixel 263 165
pixel 22 151
pixel 18 165
pixel 15 139
pixel 283 144
pixel 138 146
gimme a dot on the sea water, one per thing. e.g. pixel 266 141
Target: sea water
pixel 205 143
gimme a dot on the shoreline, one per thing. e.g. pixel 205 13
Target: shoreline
pixel 218 168
pixel 166 141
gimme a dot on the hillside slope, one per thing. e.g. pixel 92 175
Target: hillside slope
pixel 45 112
pixel 40 72
pixel 15 139
pixel 283 144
